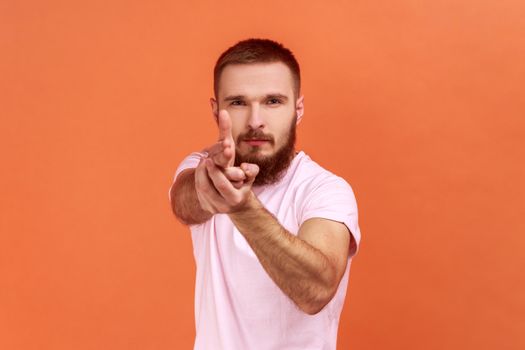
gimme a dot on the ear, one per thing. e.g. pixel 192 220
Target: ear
pixel 214 110
pixel 299 108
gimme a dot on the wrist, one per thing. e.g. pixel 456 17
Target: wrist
pixel 250 205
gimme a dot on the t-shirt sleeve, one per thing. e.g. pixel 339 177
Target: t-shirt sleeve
pixel 333 198
pixel 189 162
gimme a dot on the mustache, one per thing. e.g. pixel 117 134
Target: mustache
pixel 255 135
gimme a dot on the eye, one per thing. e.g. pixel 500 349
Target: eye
pixel 273 101
pixel 237 103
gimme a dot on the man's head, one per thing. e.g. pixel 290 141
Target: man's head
pixel 258 82
pixel 251 51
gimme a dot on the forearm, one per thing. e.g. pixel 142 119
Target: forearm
pixel 300 270
pixel 184 201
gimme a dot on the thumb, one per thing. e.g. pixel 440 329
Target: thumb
pixel 251 171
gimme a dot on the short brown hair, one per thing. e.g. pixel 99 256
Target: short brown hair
pixel 256 50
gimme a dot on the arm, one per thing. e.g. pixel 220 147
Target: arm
pixel 184 201
pixel 307 267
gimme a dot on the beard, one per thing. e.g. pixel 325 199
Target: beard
pixel 271 168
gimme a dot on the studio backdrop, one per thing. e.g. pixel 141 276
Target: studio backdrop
pixel 419 105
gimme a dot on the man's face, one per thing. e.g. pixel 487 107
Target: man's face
pixel 263 110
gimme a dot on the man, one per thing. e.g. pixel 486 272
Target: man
pixel 273 232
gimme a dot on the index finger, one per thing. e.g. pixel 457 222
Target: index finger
pixel 225 125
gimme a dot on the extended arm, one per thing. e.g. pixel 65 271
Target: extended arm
pixel 307 267
pixel 184 201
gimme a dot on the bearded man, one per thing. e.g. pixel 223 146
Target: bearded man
pixel 273 232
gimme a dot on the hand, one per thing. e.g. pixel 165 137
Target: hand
pixel 216 153
pixel 221 187
pixel 215 191
pixel 223 152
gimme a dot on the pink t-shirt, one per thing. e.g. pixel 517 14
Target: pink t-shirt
pixel 237 305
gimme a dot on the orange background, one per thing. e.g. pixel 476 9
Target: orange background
pixel 418 104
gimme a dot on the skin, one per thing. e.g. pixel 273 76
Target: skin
pixel 257 105
pixel 307 267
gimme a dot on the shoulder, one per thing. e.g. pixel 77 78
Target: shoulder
pixel 316 189
pixel 310 175
pixel 323 194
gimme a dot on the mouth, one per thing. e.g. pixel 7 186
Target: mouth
pixel 256 142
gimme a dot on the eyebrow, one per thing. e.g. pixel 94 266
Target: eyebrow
pixel 268 96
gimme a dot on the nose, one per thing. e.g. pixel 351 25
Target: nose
pixel 256 120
